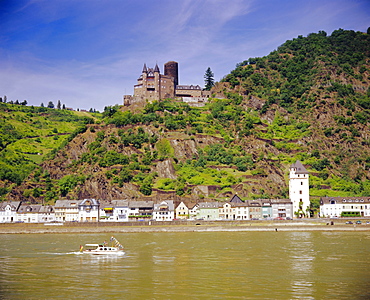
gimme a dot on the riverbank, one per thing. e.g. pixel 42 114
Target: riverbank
pixel 187 226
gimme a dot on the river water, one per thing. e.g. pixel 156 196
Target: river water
pixel 188 265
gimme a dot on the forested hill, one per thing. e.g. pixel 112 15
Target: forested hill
pixel 308 100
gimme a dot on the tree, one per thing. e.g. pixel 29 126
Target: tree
pixel 59 105
pixel 42 105
pixel 209 79
pixel 50 104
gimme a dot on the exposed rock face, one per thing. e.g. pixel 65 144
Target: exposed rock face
pixel 184 148
pixel 165 169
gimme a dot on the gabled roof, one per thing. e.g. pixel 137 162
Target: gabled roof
pixel 141 204
pixel 67 203
pixel 236 199
pixel 47 209
pixel 90 202
pixel 281 201
pixel 29 208
pixel 120 203
pixel 209 205
pixel 14 205
pixel 167 204
pixel 300 169
pixel 340 200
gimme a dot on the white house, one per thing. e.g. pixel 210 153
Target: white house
pixel 66 210
pixel 164 211
pixel 193 211
pixel 255 209
pixel 182 211
pixel 140 210
pixel 344 206
pixel 35 213
pixel 241 208
pixel 209 211
pixel 282 208
pixel 120 211
pixel 88 210
pixel 8 211
pixel 226 211
pixel 299 191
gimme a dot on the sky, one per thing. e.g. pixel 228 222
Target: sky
pixel 89 53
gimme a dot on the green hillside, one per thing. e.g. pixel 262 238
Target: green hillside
pixel 29 135
pixel 323 81
pixel 308 100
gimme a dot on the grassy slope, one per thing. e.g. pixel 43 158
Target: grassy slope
pixel 34 133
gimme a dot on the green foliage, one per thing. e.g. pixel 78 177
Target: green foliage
pixel 111 158
pixel 164 149
pixel 209 79
pixel 69 182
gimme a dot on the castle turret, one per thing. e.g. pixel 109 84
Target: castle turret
pixel 156 68
pixel 171 68
pixel 299 191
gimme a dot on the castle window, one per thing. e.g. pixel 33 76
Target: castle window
pixel 298 175
pixel 301 182
pixel 300 192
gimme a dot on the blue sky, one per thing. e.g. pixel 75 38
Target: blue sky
pixel 89 53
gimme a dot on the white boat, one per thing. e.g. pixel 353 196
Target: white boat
pixel 103 248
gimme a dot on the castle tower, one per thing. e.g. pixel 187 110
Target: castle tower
pixel 299 191
pixel 171 69
pixel 157 85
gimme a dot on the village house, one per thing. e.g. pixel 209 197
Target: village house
pixel 66 210
pixel 120 210
pixel 88 210
pixel 106 211
pixel 182 212
pixel 8 211
pixel 35 213
pixel 282 208
pixel 193 210
pixel 334 207
pixel 208 211
pixel 241 208
pixel 140 210
pixel 226 211
pixel 164 211
pixel 255 209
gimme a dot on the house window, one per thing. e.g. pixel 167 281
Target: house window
pixel 301 182
pixel 300 192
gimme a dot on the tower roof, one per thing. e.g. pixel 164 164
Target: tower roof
pixel 300 169
pixel 144 68
pixel 156 68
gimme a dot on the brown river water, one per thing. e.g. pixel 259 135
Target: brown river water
pixel 188 265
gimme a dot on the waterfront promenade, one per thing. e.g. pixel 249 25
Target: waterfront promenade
pixel 188 226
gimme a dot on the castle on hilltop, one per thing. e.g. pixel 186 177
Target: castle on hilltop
pixel 152 86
